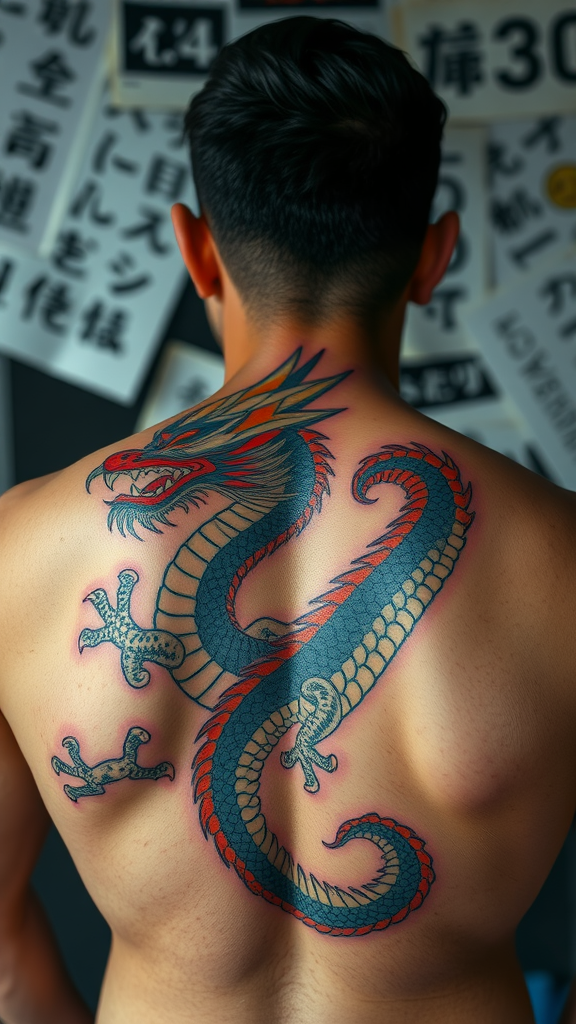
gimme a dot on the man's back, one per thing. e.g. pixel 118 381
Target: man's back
pixel 219 746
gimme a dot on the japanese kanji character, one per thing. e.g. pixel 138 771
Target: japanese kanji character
pixel 454 58
pixel 52 73
pixel 6 272
pixel 26 138
pixel 121 267
pixel 547 130
pixel 56 15
pixel 510 214
pixel 16 199
pixel 147 42
pixel 166 177
pixel 443 304
pixel 12 7
pixel 103 150
pixel 52 301
pixel 70 250
pixel 149 228
pixel 104 327
pixel 559 289
pixel 497 163
pixel 88 199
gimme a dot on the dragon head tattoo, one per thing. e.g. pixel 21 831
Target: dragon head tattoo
pixel 232 445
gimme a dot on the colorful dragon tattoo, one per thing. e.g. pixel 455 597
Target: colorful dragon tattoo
pixel 259 448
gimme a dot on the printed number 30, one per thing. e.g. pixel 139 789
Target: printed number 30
pixel 526 36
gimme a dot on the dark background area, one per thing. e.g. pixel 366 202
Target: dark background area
pixel 54 424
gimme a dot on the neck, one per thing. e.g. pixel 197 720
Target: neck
pixel 252 348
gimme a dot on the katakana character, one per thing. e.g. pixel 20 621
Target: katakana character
pixel 166 177
pixel 139 118
pixel 52 72
pixel 53 302
pixel 568 330
pixel 174 122
pixel 193 392
pixel 56 15
pixel 454 58
pixel 442 306
pixel 121 266
pixel 149 228
pixel 25 139
pixel 89 198
pixel 147 42
pixel 16 199
pixel 71 249
pixel 104 327
pixel 6 271
pixel 497 161
pixel 103 150
pixel 560 289
pixel 522 254
pixel 547 130
pixel 510 214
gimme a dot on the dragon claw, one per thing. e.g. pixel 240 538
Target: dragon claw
pixel 136 645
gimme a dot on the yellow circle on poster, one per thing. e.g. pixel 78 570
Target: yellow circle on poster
pixel 561 186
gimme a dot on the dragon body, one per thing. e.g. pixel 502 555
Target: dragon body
pixel 258 447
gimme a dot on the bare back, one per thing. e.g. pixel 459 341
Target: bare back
pixel 294 679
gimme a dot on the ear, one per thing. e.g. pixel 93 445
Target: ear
pixel 198 250
pixel 439 243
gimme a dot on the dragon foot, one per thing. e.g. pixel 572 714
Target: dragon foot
pixel 315 726
pixel 100 775
pixel 136 645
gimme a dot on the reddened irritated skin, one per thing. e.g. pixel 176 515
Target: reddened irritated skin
pixel 308 659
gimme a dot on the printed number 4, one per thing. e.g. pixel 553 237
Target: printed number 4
pixel 197 44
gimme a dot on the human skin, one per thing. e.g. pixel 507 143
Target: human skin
pixel 465 741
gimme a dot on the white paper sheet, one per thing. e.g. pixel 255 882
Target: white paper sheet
pixel 186 376
pixel 460 393
pixel 493 59
pixel 437 328
pixel 527 333
pixel 532 173
pixel 94 312
pixel 366 15
pixel 51 72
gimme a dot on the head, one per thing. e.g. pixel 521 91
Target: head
pixel 315 151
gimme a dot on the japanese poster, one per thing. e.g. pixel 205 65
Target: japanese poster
pixel 5 429
pixel 366 15
pixel 437 327
pixel 51 73
pixel 493 59
pixel 162 51
pixel 94 311
pixel 459 393
pixel 528 335
pixel 186 376
pixel 532 168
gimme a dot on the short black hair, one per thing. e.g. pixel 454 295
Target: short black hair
pixel 315 151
